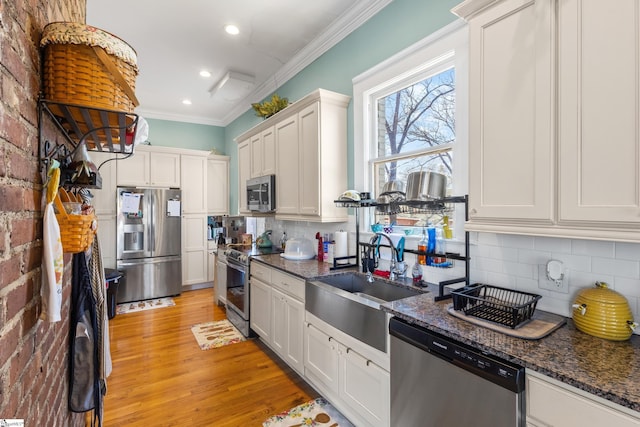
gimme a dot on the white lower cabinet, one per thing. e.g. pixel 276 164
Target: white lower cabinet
pixel 356 385
pixel 277 312
pixel 260 303
pixel 107 238
pixel 552 403
pixel 194 249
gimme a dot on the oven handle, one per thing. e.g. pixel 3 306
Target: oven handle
pixel 235 266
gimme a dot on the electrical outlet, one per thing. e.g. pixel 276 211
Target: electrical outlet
pixel 544 283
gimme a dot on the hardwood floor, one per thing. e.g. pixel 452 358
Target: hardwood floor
pixel 161 377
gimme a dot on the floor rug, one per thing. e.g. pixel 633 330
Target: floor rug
pixel 317 412
pixel 216 334
pixel 150 304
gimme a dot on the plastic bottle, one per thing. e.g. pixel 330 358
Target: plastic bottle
pixel 416 274
pixel 431 244
pixel 440 246
pixel 283 240
pixel 422 247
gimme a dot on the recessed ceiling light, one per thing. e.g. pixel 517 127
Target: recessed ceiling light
pixel 205 73
pixel 186 101
pixel 232 29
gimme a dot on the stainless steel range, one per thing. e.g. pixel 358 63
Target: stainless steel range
pixel 238 284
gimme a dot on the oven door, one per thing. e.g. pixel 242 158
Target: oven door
pixel 237 288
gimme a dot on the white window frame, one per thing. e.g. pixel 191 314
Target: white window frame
pixel 427 57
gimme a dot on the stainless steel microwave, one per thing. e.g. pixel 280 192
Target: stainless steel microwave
pixel 261 194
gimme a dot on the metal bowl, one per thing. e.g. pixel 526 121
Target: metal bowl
pixel 393 186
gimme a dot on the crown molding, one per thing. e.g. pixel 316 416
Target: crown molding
pixel 336 32
pixel 158 115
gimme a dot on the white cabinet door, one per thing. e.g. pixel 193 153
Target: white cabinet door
pixel 309 172
pixel 218 186
pixel 321 359
pixel 294 354
pixel 135 170
pixel 260 319
pixel 550 403
pixel 287 162
pixel 104 199
pixel 244 173
pixel 194 249
pixel 194 190
pixel 211 265
pixel 598 124
pixel 164 170
pixel 279 322
pixel 107 237
pixel 220 291
pixel 256 155
pixel 365 386
pixel 511 132
pixel 269 151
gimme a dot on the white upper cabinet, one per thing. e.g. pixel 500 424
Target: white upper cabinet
pixel 244 173
pixel 511 133
pixel 599 112
pixel 218 185
pixel 310 153
pixel 263 154
pixel 194 190
pixel 150 167
pixel 554 146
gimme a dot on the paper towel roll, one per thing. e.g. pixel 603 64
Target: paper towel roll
pixel 341 248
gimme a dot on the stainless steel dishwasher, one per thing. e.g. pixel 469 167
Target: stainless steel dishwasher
pixel 436 381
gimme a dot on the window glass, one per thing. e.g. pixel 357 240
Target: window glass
pixel 415 132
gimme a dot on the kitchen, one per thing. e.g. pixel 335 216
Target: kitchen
pixel 509 241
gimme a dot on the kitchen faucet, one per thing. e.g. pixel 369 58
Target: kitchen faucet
pixel 394 256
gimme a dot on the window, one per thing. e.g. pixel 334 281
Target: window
pixel 410 115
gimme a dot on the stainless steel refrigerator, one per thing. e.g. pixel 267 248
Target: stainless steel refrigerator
pixel 148 243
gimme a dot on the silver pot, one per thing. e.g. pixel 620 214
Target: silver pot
pixel 392 187
pixel 423 186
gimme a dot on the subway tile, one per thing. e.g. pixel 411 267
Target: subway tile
pixel 514 241
pixel 583 279
pixel 593 248
pixel 552 244
pixel 533 256
pixel 500 279
pixel 616 267
pixel 573 262
pixel 630 251
pixel 488 264
pixel 488 239
pixel 626 286
pixel 518 269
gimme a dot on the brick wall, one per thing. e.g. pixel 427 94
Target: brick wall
pixel 33 354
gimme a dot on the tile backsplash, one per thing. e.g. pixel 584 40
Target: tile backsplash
pixel 513 262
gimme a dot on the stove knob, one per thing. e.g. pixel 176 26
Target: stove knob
pixel 243 259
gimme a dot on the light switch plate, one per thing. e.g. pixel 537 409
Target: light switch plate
pixel 544 283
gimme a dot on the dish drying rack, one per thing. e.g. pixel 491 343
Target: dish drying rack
pixel 428 207
pixel 495 304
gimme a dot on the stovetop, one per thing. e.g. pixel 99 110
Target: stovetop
pixel 243 253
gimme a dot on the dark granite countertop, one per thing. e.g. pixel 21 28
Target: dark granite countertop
pixel 604 368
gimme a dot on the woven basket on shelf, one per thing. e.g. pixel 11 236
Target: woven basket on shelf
pixel 86 66
pixel 76 231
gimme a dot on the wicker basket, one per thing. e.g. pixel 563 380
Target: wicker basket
pixel 76 231
pixel 84 65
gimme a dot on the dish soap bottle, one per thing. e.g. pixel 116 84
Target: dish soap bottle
pixel 422 248
pixel 283 240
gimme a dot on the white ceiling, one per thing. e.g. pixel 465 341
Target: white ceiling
pixel 175 40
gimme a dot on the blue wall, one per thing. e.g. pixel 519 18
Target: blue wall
pixel 186 135
pixel 396 27
pixel 399 25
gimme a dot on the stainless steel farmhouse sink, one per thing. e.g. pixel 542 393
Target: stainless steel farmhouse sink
pixel 350 303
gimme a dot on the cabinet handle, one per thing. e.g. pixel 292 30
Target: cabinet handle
pixel 368 361
pixel 348 350
pixel 330 338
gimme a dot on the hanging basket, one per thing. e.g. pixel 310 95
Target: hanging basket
pixel 86 66
pixel 76 231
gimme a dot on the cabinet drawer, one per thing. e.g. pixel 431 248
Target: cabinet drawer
pixel 560 406
pixel 261 271
pixel 288 284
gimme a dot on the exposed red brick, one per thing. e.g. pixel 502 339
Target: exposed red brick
pixel 31 199
pixel 3 163
pixel 21 166
pixel 18 298
pixel 29 319
pixel 10 270
pixel 12 198
pixel 23 231
pixel 8 342
pixel 32 258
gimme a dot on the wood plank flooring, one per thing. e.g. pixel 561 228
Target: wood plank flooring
pixel 161 377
